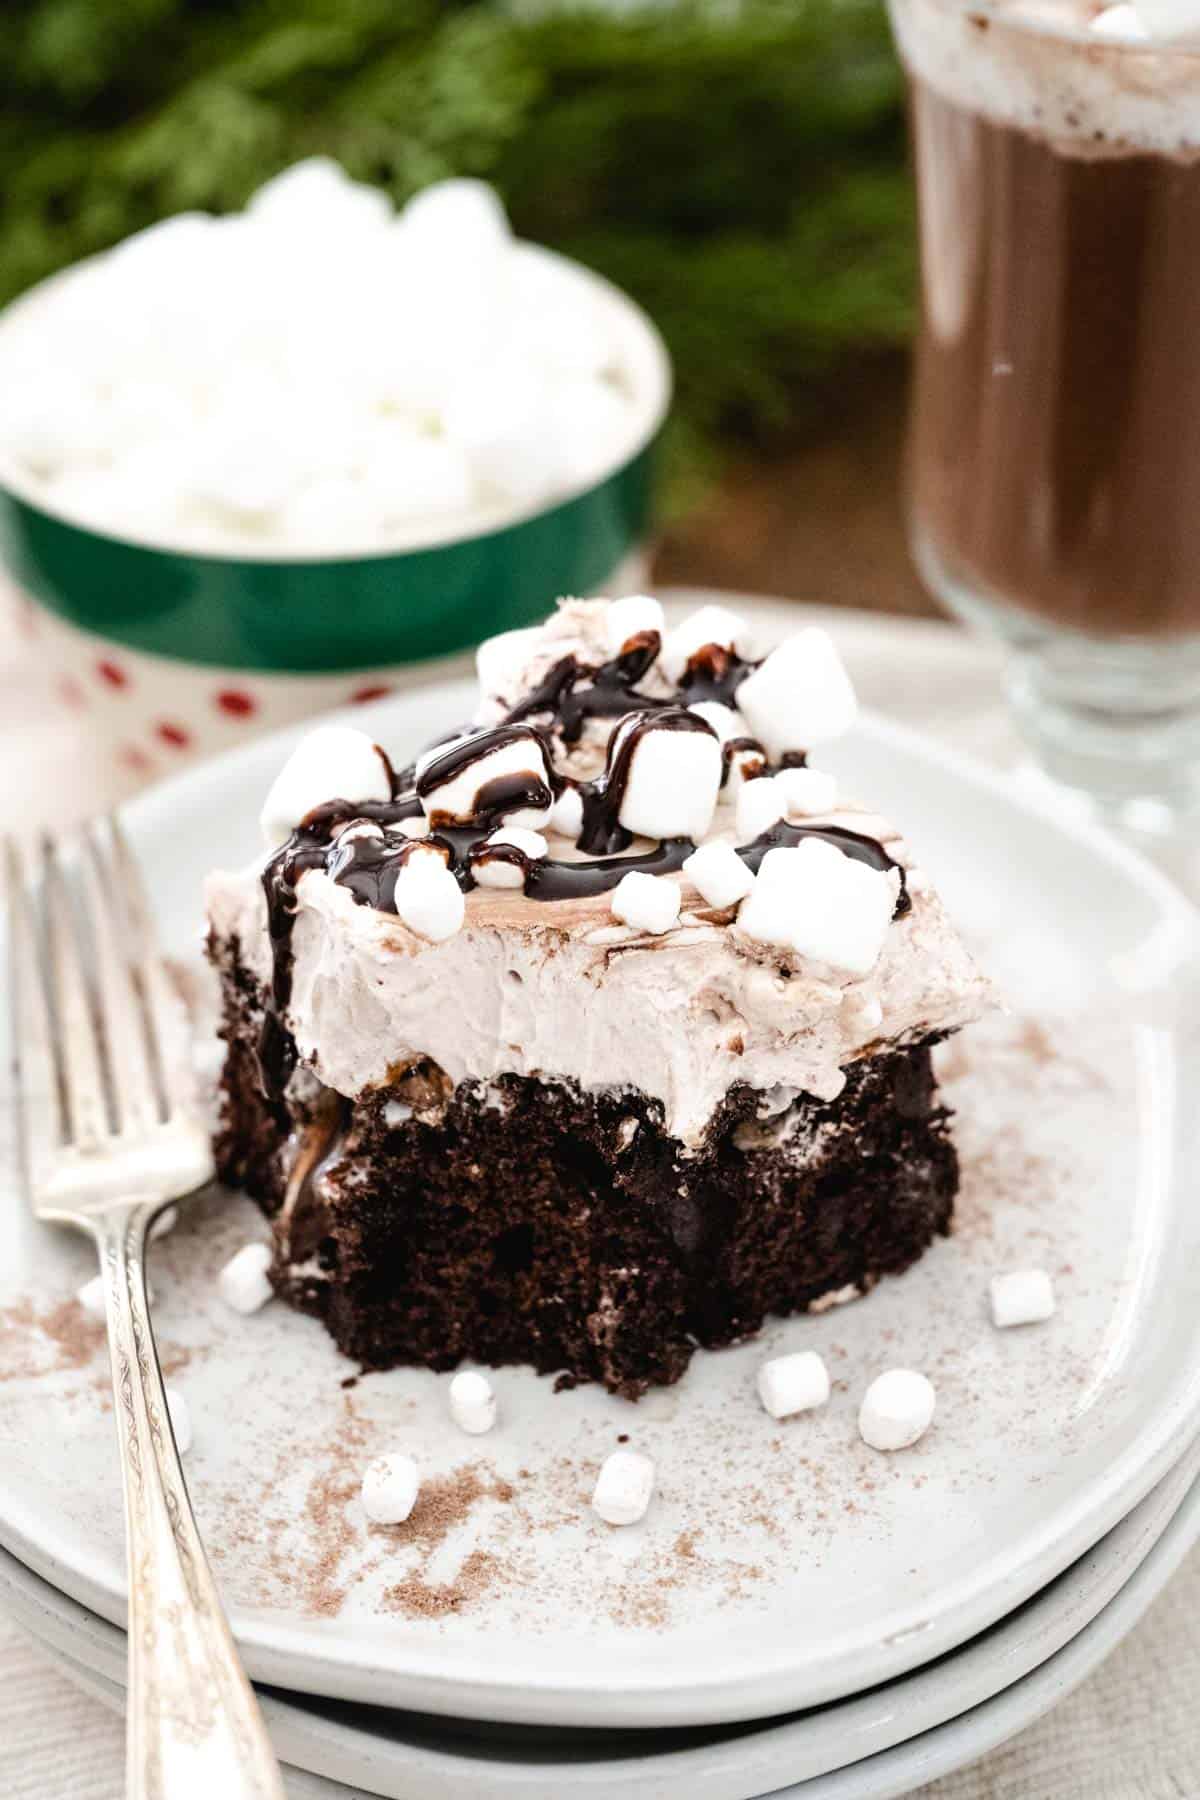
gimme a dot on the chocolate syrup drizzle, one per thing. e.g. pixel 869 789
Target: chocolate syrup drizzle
pixel 369 866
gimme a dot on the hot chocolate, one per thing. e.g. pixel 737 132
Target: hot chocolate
pixel 1055 457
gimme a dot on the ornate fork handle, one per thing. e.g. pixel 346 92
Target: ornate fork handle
pixel 193 1722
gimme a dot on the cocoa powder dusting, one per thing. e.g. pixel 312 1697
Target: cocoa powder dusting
pixel 419 1599
pixel 63 1328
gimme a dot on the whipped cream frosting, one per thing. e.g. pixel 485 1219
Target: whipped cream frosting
pixel 562 990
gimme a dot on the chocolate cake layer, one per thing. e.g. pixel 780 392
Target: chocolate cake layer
pixel 530 1221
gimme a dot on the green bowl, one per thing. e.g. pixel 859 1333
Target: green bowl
pixel 181 650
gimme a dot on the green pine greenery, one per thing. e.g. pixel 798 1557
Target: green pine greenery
pixel 737 165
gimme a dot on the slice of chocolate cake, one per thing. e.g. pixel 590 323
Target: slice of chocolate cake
pixel 522 1074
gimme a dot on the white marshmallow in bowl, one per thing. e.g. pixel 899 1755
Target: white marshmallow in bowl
pixel 335 762
pixel 315 340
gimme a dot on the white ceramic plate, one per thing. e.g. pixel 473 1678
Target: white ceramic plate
pixel 1154 1541
pixel 398 1754
pixel 780 1566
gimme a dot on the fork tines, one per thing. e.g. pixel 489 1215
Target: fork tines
pixel 99 1041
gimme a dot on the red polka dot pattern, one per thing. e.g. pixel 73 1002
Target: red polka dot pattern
pixel 175 735
pixel 134 757
pixel 237 703
pixel 372 691
pixel 113 674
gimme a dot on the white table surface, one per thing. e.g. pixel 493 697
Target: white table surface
pixel 1130 1733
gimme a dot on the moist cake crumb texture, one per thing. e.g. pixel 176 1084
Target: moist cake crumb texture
pixel 492 1118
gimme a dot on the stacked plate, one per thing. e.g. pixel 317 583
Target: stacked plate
pixel 797 1612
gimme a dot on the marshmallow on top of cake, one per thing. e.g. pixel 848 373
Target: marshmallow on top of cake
pixel 631 818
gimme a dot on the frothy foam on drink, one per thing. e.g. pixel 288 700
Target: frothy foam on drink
pixel 1037 66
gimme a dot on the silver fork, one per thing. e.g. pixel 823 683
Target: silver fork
pixel 108 1135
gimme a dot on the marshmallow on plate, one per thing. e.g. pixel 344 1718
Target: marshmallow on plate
pixel 896 1409
pixel 181 1420
pixel 671 763
pixel 822 904
pixel 647 902
pixel 335 762
pixel 1022 1297
pixel 1167 18
pixel 494 864
pixel 718 874
pixel 793 1384
pixel 710 625
pixel 629 618
pixel 453 780
pixel 390 1486
pixel 800 696
pixel 91 1297
pixel 472 1402
pixel 623 1487
pixel 243 1283
pixel 427 897
pixel 1122 23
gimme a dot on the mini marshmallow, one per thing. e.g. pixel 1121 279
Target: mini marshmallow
pixel 498 871
pixel 759 805
pixel 807 792
pixel 726 721
pixel 181 1420
pixel 500 661
pixel 623 1487
pixel 427 898
pixel 1167 18
pixel 506 752
pixel 800 696
pixel 566 815
pixel 793 1384
pixel 1123 23
pixel 674 776
pixel 460 213
pixel 746 764
pixel 821 904
pixel 710 625
pixel 628 618
pixel 334 762
pixel 896 1410
pixel 91 1298
pixel 1023 1297
pixel 719 874
pixel 647 902
pixel 243 1283
pixel 390 1486
pixel 472 1402
pixel 531 843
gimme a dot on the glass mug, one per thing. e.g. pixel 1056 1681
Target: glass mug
pixel 1054 448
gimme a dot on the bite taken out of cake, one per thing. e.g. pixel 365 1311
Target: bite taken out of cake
pixel 603 1030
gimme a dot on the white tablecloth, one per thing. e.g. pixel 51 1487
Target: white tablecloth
pixel 1130 1733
